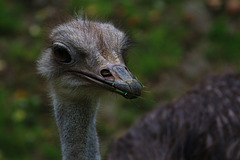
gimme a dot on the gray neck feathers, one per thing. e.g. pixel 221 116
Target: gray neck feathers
pixel 76 123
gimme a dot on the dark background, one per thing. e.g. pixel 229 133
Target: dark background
pixel 178 43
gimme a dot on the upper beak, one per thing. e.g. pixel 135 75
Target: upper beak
pixel 124 81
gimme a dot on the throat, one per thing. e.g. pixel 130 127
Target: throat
pixel 77 128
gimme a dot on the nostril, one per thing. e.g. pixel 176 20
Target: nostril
pixel 107 74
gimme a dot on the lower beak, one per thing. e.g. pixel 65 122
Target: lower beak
pixel 123 81
pixel 126 82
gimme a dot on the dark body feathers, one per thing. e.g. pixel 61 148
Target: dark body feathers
pixel 204 124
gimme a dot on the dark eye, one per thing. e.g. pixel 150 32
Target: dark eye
pixel 61 54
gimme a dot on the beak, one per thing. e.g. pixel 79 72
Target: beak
pixel 126 84
pixel 116 78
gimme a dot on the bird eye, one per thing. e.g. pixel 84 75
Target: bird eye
pixel 61 54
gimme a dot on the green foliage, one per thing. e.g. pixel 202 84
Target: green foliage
pixel 93 7
pixel 20 51
pixel 9 18
pixel 163 32
pixel 21 131
pixel 224 44
pixel 164 52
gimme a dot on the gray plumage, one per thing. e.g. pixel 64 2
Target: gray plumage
pixel 83 61
pixel 204 124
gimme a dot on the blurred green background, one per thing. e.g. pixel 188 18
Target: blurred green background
pixel 178 43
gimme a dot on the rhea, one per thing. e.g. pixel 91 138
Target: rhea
pixel 85 58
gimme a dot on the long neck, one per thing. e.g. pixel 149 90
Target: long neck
pixel 76 123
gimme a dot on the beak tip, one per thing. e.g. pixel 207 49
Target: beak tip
pixel 133 91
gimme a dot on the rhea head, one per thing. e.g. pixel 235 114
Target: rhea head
pixel 85 58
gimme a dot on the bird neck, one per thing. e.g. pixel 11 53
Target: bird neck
pixel 76 123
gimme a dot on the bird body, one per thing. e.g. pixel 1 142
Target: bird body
pixel 204 124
